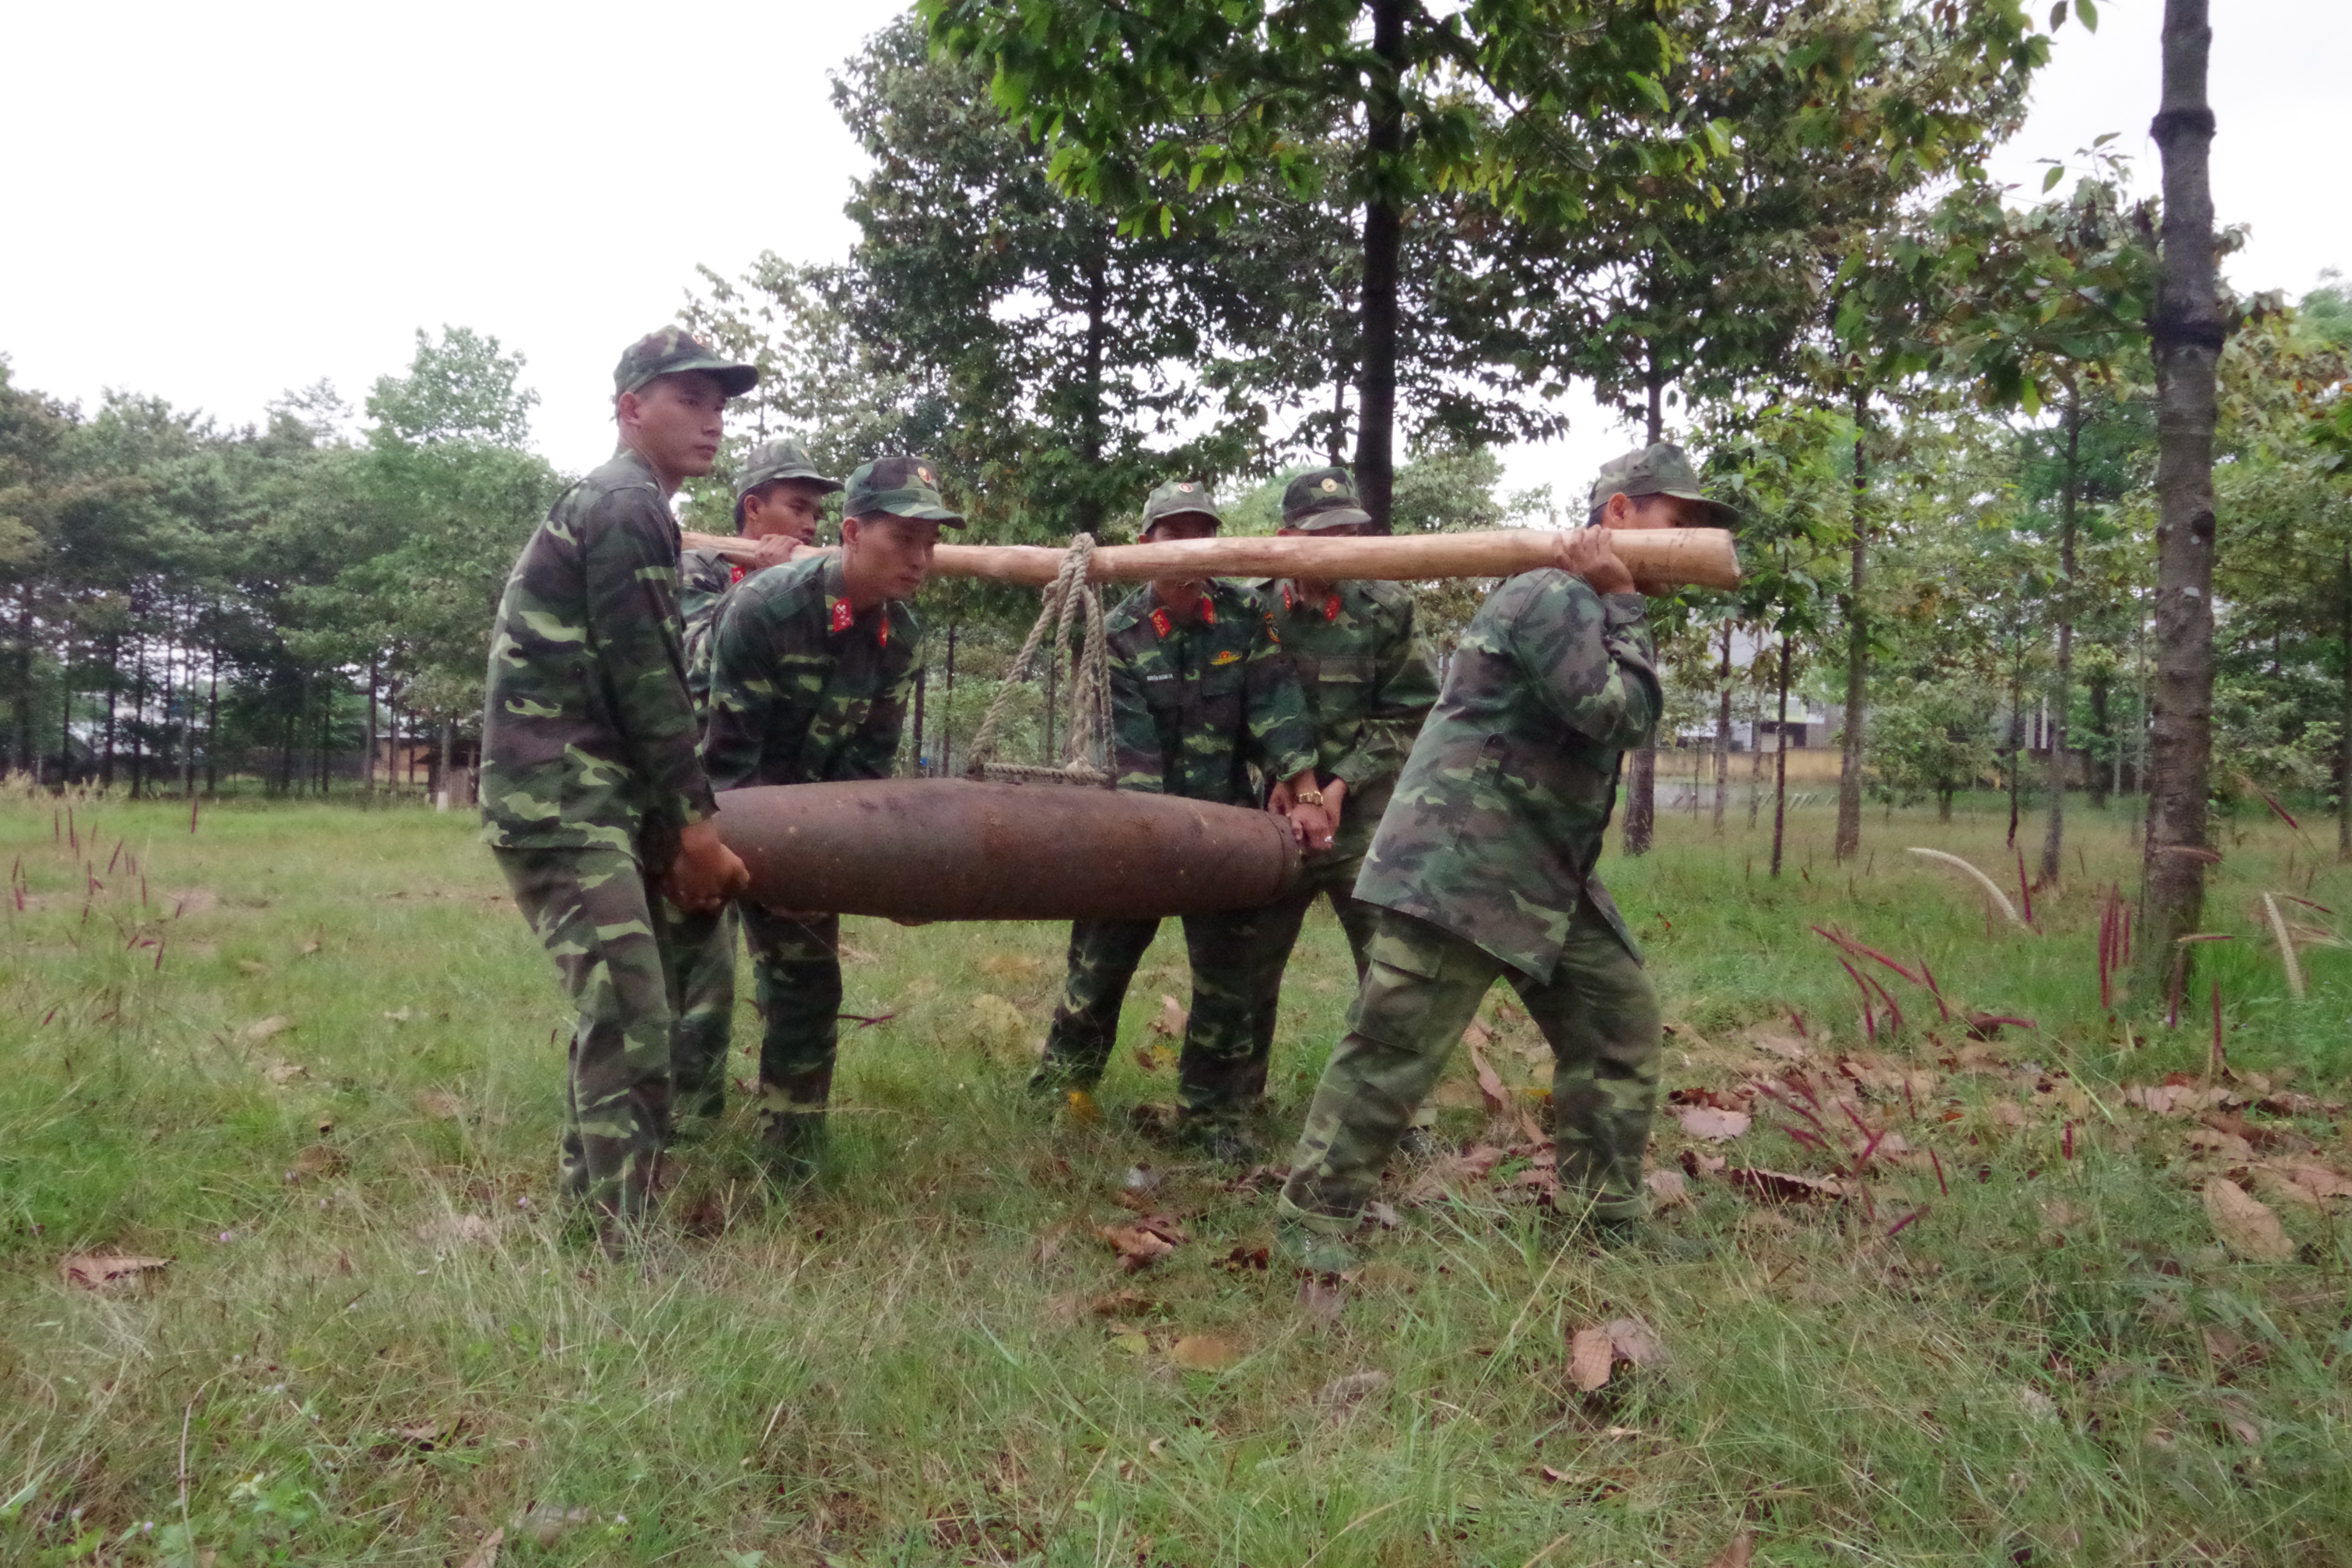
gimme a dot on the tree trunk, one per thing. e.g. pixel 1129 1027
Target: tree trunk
pixel 376 681
pixel 1383 243
pixel 1857 650
pixel 25 745
pixel 442 787
pixel 1781 762
pixel 2102 739
pixel 65 714
pixel 2344 774
pixel 1756 763
pixel 1090 508
pixel 1723 735
pixel 212 726
pixel 2016 737
pixel 2062 685
pixel 138 717
pixel 2187 340
pixel 113 688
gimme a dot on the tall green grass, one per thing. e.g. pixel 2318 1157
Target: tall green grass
pixel 373 1343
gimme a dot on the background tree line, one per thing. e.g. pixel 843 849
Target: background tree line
pixel 1158 239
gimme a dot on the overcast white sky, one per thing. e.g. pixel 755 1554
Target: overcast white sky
pixel 216 202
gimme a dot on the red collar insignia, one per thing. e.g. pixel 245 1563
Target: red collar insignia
pixel 735 574
pixel 1331 607
pixel 1161 622
pixel 1287 600
pixel 843 614
pixel 1208 611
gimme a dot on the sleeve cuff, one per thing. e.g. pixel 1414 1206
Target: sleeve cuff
pixel 1620 610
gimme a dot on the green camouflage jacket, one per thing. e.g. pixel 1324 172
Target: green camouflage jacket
pixel 704 576
pixel 803 690
pixel 587 730
pixel 1368 685
pixel 1192 705
pixel 1497 818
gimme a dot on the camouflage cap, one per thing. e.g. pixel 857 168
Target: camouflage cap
pixel 671 350
pixel 1663 470
pixel 772 461
pixel 1182 498
pixel 899 487
pixel 1320 498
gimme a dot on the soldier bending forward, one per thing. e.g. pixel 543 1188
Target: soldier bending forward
pixel 1483 867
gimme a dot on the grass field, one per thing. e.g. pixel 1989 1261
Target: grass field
pixel 308 1056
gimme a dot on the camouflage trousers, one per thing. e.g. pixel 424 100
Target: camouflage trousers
pixel 1214 1077
pixel 1329 875
pixel 592 908
pixel 796 981
pixel 704 1001
pixel 1420 991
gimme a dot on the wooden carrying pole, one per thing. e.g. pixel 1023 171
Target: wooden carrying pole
pixel 1661 558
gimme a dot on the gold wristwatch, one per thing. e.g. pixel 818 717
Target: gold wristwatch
pixel 1307 797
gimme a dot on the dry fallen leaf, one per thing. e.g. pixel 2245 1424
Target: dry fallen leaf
pixel 1138 1246
pixel 1784 1186
pixel 309 946
pixel 545 1522
pixel 1321 1297
pixel 253 968
pixel 282 1073
pixel 1668 1188
pixel 264 1028
pixel 1122 1304
pixel 1383 1214
pixel 486 1555
pixel 1171 1021
pixel 1477 1034
pixel 1630 1341
pixel 2007 1112
pixel 1150 1058
pixel 403 1015
pixel 454 1229
pixel 1589 1354
pixel 1706 1121
pixel 96 1270
pixel 1780 1046
pixel 1490 1084
pixel 2319 1181
pixel 2246 1224
pixel 1738 1554
pixel 1352 1389
pixel 317 1160
pixel 440 1105
pixel 1204 1352
pixel 2224 1145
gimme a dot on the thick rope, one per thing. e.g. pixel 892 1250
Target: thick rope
pixel 1067 598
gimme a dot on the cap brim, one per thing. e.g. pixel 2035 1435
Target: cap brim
pixel 806 476
pixel 1723 514
pixel 1328 517
pixel 734 379
pixel 937 514
pixel 1150 523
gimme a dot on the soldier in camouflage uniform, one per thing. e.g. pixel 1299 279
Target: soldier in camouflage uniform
pixel 1369 684
pixel 779 500
pixel 811 673
pixel 1199 693
pixel 1483 867
pixel 593 799
pixel 778 504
